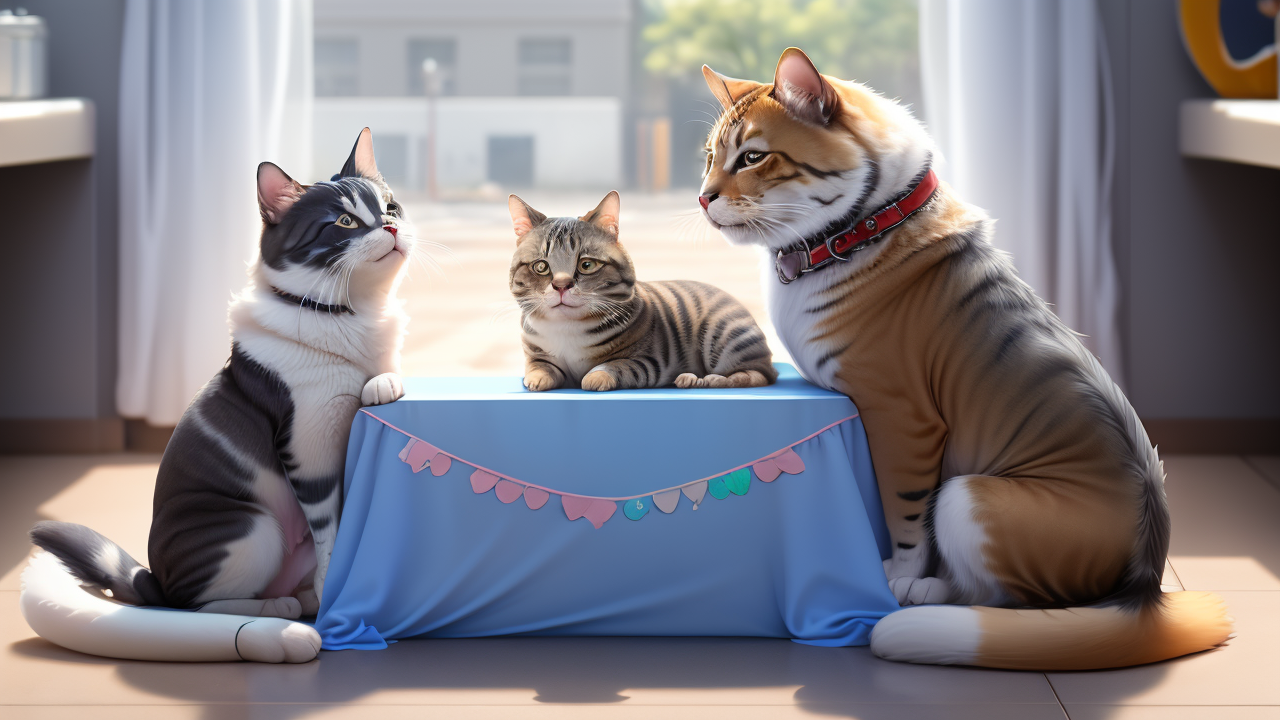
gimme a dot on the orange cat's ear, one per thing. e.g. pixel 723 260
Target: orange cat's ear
pixel 801 89
pixel 726 89
pixel 605 216
pixel 523 217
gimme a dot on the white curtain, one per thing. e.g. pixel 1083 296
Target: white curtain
pixel 1017 94
pixel 208 89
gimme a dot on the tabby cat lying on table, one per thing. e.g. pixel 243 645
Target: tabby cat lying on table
pixel 249 491
pixel 587 322
pixel 1013 471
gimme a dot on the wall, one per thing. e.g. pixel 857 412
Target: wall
pixel 71 289
pixel 1198 247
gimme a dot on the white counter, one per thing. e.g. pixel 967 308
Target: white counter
pixel 35 131
pixel 1243 131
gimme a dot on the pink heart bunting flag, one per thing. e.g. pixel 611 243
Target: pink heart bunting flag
pixel 667 501
pixel 483 482
pixel 535 497
pixel 575 506
pixel 509 492
pixel 600 512
pixel 440 464
pixel 420 455
pixel 695 492
pixel 767 470
pixel 789 462
pixel 404 454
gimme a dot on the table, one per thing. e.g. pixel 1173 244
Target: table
pixel 475 508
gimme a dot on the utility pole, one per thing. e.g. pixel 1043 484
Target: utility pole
pixel 431 85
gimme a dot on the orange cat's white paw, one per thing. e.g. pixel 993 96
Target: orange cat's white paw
pixel 382 389
pixel 599 381
pixel 920 591
pixel 539 380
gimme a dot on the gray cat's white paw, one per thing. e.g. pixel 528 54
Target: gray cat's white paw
pixel 382 389
pixel 599 381
pixel 920 591
pixel 272 640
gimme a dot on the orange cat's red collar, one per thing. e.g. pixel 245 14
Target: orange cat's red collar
pixel 866 233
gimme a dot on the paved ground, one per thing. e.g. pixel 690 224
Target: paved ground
pixel 465 321
pixel 1225 538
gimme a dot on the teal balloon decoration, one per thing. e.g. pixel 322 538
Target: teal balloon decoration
pixel 718 489
pixel 636 509
pixel 738 481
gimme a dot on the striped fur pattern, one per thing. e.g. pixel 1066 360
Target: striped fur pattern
pixel 1012 470
pixel 248 493
pixel 587 322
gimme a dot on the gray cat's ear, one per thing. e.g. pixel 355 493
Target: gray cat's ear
pixel 277 192
pixel 523 217
pixel 605 216
pixel 361 162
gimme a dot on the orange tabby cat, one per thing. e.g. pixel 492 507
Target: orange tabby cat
pixel 1014 473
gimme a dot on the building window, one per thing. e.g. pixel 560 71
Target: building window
pixel 546 66
pixel 510 160
pixel 337 67
pixel 445 52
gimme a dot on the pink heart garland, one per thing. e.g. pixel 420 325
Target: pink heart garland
pixel 695 492
pixel 509 492
pixel 594 510
pixel 575 506
pixel 535 497
pixel 483 482
pixel 440 464
pixel 404 454
pixel 767 470
pixel 789 462
pixel 420 454
pixel 600 512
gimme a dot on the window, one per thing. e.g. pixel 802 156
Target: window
pixel 546 66
pixel 445 52
pixel 511 160
pixel 337 67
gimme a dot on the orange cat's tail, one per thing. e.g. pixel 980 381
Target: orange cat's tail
pixel 1059 639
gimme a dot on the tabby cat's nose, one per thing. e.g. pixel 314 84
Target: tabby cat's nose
pixel 706 199
pixel 560 282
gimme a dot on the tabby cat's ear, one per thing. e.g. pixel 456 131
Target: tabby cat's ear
pixel 726 89
pixel 277 192
pixel 802 90
pixel 361 162
pixel 605 216
pixel 523 217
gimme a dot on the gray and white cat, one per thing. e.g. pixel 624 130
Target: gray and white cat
pixel 248 493
pixel 587 322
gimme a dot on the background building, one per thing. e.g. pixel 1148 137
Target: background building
pixel 531 95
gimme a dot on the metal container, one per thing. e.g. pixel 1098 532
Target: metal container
pixel 23 55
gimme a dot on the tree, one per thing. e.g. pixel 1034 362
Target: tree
pixel 872 41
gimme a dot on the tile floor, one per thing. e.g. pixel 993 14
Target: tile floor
pixel 1226 538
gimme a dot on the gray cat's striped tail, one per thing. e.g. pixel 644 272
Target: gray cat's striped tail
pixel 98 562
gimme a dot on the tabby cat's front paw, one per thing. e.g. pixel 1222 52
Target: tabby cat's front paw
pixel 382 389
pixel 599 381
pixel 539 380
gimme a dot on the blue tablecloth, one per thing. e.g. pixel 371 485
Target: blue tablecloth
pixel 421 555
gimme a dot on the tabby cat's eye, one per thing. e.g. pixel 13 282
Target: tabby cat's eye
pixel 542 268
pixel 587 266
pixel 752 157
pixel 345 221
